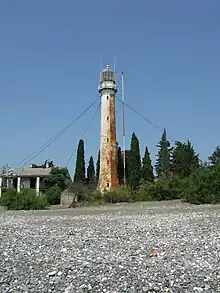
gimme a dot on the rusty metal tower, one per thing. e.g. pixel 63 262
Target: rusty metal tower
pixel 108 178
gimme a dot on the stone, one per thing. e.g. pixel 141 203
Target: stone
pixel 116 257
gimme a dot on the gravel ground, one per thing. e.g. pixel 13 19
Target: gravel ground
pixel 108 249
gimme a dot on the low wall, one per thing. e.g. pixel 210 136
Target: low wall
pixel 67 198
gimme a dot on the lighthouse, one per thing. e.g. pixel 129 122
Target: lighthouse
pixel 108 177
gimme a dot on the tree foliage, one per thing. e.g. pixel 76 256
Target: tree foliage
pixel 53 194
pixel 134 163
pixel 147 168
pixel 98 167
pixel 91 172
pixel 120 166
pixel 26 199
pixel 202 186
pixel 180 175
pixel 184 159
pixel 80 172
pixel 163 158
pixel 127 165
pixel 58 177
pixel 215 156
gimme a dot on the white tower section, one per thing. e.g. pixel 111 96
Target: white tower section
pixel 108 178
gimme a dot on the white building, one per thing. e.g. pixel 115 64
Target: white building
pixel 30 178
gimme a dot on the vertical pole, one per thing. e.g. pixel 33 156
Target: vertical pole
pixel 123 117
pixel 1 186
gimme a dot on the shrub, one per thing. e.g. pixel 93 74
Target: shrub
pixel 158 190
pixel 96 197
pixel 81 190
pixel 122 194
pixel 161 189
pixel 203 186
pixel 53 195
pixel 24 200
pixel 143 193
pixel 9 199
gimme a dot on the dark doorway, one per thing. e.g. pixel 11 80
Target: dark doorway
pixel 32 183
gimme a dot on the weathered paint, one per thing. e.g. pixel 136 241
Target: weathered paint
pixel 108 178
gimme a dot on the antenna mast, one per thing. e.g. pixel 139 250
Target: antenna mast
pixel 123 117
pixel 114 64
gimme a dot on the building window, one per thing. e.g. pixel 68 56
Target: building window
pixel 107 97
pixel 108 162
pixel 107 118
pixel 107 139
pixel 108 185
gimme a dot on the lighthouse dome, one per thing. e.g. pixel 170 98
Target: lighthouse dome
pixel 107 74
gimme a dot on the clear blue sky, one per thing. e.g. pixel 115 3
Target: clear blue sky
pixel 50 62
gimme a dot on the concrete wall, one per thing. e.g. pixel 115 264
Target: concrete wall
pixel 67 198
pixel 25 183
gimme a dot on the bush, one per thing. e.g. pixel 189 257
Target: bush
pixel 82 191
pixel 53 195
pixel 122 194
pixel 161 189
pixel 203 186
pixel 24 200
pixel 143 193
pixel 96 197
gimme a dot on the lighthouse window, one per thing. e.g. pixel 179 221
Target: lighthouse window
pixel 107 184
pixel 107 97
pixel 108 162
pixel 107 118
pixel 107 139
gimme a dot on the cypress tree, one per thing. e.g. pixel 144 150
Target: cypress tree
pixel 147 168
pixel 134 163
pixel 184 159
pixel 91 171
pixel 98 167
pixel 79 176
pixel 120 167
pixel 127 168
pixel 163 158
pixel 215 157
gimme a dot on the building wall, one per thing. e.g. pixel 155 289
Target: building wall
pixel 25 183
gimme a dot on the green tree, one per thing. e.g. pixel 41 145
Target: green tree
pixel 91 171
pixel 53 194
pixel 147 168
pixel 127 161
pixel 184 159
pixel 163 158
pixel 134 163
pixel 58 177
pixel 215 157
pixel 80 176
pixel 98 167
pixel 120 166
pixel 202 186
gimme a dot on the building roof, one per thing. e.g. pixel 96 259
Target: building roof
pixel 27 172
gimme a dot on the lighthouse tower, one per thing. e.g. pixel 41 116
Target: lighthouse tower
pixel 108 178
